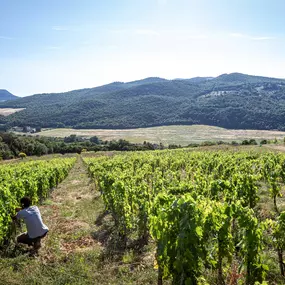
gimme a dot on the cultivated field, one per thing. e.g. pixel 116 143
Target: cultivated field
pixel 182 135
pixel 241 196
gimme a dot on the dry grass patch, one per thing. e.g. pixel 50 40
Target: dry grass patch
pixel 178 134
pixel 9 111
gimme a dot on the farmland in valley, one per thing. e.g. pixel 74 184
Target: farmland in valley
pixel 182 135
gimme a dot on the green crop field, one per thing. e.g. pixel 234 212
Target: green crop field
pixel 204 216
pixel 209 212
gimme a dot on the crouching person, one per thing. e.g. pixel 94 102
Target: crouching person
pixel 36 229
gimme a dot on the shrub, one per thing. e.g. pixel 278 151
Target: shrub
pixel 22 155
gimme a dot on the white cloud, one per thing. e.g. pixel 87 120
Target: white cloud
pixel 262 38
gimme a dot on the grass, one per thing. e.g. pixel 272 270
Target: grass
pixel 182 135
pixel 34 157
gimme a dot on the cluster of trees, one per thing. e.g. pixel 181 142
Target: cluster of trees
pixel 12 145
pixel 235 101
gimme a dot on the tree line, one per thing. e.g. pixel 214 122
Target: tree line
pixel 11 145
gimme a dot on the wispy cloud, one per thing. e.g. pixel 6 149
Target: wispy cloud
pixel 249 37
pixel 146 32
pixel 262 38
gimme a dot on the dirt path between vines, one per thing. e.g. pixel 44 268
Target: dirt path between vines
pixel 70 214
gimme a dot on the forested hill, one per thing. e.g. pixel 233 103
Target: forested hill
pixel 230 100
pixel 6 95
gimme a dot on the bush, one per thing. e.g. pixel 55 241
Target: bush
pixel 208 143
pixel 249 142
pixel 22 155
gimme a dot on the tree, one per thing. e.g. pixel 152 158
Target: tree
pixel 40 149
pixel 95 140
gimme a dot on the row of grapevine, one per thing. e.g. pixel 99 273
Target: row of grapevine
pixel 33 179
pixel 201 208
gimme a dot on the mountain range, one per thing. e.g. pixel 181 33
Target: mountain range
pixel 235 100
pixel 5 95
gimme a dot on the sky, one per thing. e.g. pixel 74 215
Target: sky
pixel 61 45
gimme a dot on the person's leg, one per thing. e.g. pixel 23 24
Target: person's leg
pixel 37 243
pixel 24 238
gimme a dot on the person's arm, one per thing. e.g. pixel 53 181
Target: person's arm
pixel 14 217
pixel 18 214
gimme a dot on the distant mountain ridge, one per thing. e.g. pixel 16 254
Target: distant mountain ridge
pixel 6 95
pixel 232 100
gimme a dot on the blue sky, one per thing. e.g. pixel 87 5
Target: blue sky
pixel 61 45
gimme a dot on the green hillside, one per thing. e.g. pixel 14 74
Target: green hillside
pixel 229 100
pixel 6 95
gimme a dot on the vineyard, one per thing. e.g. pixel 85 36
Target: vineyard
pixel 204 211
pixel 34 179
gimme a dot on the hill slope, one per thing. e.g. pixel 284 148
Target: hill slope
pixel 229 100
pixel 6 95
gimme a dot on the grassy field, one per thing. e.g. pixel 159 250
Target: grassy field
pixel 182 135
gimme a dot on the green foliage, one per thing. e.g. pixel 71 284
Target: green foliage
pixel 33 179
pixel 279 232
pixel 11 145
pixel 279 240
pixel 95 140
pixel 200 208
pixel 22 155
pixel 249 142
